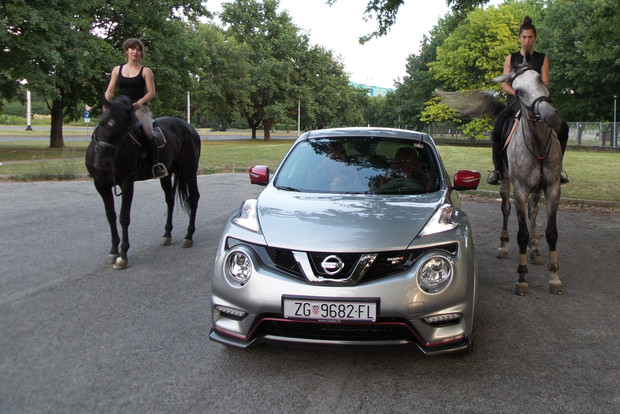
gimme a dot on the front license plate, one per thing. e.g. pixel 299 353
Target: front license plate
pixel 330 310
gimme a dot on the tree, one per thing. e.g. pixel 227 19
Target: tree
pixel 582 41
pixel 323 89
pixel 65 48
pixel 419 85
pixel 223 85
pixel 385 12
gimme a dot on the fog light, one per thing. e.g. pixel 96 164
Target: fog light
pixel 445 319
pixel 239 266
pixel 231 312
pixel 435 274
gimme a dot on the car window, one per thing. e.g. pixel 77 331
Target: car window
pixel 366 165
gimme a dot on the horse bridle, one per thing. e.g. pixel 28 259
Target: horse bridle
pixel 532 108
pixel 527 110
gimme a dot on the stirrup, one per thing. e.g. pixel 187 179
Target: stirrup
pixel 494 178
pixel 564 177
pixel 159 170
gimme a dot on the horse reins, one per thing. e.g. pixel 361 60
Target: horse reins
pixel 526 111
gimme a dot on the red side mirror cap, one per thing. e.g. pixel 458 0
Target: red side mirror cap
pixel 466 180
pixel 259 174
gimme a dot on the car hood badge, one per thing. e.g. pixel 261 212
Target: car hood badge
pixel 332 265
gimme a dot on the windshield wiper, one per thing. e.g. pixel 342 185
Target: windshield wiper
pixel 285 188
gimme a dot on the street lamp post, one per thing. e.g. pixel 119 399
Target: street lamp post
pixel 28 111
pixel 615 137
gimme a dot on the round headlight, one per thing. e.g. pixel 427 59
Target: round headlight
pixel 435 274
pixel 239 267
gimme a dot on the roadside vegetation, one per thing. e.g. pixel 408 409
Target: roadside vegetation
pixel 593 175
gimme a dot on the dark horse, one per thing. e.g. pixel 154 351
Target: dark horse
pixel 533 163
pixel 115 158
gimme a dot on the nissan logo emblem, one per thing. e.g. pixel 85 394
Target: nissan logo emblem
pixel 332 265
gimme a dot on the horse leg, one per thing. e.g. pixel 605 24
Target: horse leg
pixel 535 256
pixel 504 191
pixel 124 219
pixel 166 185
pixel 192 200
pixel 105 192
pixel 522 287
pixel 551 233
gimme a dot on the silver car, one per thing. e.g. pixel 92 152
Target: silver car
pixel 357 240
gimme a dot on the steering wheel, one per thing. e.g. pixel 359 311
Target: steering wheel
pixel 402 183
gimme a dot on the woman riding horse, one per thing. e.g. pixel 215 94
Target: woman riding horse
pixel 136 82
pixel 540 63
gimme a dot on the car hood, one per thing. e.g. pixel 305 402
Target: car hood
pixel 343 223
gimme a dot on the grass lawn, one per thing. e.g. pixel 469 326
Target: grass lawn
pixel 593 175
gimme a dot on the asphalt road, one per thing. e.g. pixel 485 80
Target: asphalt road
pixel 79 337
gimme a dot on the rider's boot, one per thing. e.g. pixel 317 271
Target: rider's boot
pixel 498 153
pixel 159 169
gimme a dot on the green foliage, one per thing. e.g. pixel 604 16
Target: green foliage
pixel 582 41
pixel 437 112
pixel 478 128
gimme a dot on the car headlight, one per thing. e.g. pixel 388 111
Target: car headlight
pixel 435 274
pixel 248 216
pixel 238 267
pixel 441 221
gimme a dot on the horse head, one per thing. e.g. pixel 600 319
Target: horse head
pixel 532 93
pixel 112 129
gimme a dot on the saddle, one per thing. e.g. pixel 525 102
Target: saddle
pixel 137 135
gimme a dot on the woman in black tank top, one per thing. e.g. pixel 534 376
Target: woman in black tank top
pixel 136 82
pixel 540 63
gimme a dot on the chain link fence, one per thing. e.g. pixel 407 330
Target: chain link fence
pixel 590 134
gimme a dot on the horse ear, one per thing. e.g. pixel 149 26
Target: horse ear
pixel 528 59
pixel 126 102
pixel 503 78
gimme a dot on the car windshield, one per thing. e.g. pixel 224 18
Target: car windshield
pixel 360 165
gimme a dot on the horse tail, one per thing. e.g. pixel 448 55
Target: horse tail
pixel 475 104
pixel 185 178
pixel 182 186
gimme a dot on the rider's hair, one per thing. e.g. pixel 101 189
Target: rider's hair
pixel 132 43
pixel 527 25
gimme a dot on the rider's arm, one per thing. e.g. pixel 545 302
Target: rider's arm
pixel 544 71
pixel 109 93
pixel 507 68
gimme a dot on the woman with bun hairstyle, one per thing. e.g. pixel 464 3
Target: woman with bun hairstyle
pixel 540 63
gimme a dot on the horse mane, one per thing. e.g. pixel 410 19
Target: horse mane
pixel 474 104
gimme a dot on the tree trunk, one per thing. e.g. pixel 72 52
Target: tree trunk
pixel 267 130
pixel 253 126
pixel 56 139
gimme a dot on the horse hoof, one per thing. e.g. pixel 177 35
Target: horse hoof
pixel 502 253
pixel 536 258
pixel 187 243
pixel 522 289
pixel 120 264
pixel 556 288
pixel 111 258
pixel 166 241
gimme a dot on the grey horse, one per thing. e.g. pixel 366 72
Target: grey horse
pixel 533 163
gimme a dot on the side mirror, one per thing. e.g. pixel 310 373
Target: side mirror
pixel 259 174
pixel 466 180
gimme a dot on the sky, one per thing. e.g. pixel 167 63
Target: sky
pixel 338 28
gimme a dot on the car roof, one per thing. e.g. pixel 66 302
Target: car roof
pixel 367 132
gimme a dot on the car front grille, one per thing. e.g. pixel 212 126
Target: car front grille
pixel 387 330
pixel 386 263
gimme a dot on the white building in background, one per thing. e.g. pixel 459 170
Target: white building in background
pixel 372 90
